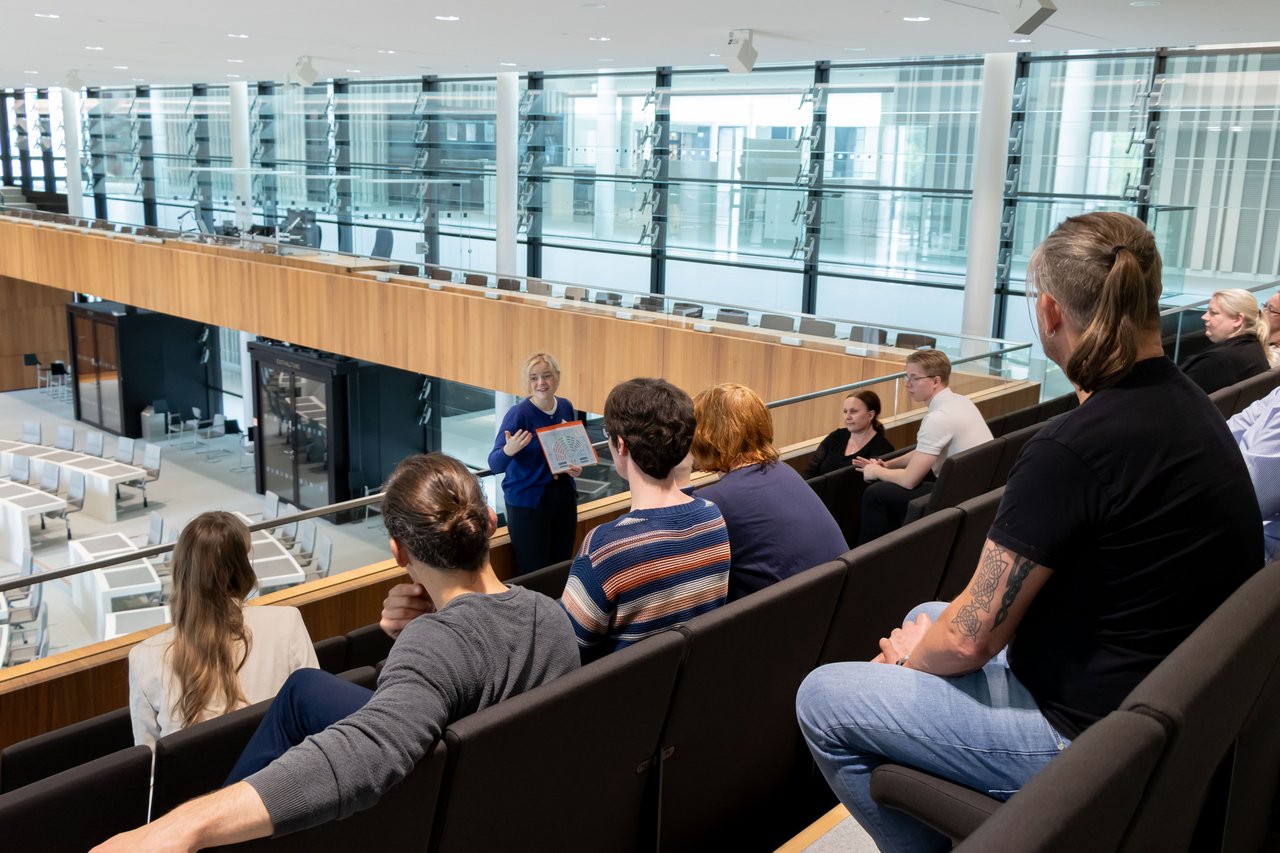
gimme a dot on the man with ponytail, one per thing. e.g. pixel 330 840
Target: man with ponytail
pixel 328 748
pixel 1124 524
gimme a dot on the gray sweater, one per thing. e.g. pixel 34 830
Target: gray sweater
pixel 476 651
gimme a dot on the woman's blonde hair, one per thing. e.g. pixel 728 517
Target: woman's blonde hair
pixel 1104 270
pixel 734 429
pixel 1241 303
pixel 212 576
pixel 537 357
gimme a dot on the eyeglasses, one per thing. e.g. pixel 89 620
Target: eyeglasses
pixel 1267 308
pixel 909 379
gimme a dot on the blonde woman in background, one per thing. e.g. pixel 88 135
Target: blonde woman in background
pixel 1239 335
pixel 219 655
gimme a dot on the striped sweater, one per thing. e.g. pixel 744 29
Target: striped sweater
pixel 645 572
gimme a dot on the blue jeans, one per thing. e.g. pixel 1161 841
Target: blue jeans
pixel 982 730
pixel 310 701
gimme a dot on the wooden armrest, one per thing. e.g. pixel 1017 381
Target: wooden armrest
pixel 953 810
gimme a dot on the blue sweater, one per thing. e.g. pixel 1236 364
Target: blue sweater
pixel 778 525
pixel 527 474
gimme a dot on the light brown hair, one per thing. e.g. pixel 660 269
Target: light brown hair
pixel 933 362
pixel 212 576
pixel 1104 271
pixel 734 429
pixel 434 507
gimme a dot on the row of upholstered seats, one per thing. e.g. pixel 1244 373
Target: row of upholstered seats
pixel 686 739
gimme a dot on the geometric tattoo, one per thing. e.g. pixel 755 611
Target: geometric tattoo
pixel 983 592
pixel 1021 569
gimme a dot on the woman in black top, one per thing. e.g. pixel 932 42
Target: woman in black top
pixel 862 435
pixel 1239 337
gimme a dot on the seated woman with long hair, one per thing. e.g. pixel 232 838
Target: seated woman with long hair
pixel 219 655
pixel 778 526
pixel 1239 336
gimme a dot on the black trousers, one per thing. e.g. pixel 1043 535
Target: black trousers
pixel 543 535
pixel 884 506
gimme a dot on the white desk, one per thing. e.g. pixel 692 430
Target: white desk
pixel 18 503
pixel 274 565
pixel 4 645
pixel 4 609
pixel 101 476
pixel 128 621
pixel 101 592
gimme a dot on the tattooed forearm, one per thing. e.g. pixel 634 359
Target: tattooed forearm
pixel 1021 568
pixel 968 621
pixel 994 563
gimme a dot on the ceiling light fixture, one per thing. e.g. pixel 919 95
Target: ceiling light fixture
pixel 30 72
pixel 237 61
pixel 386 52
pixel 1019 41
pixel 237 35
pixel 855 49
pixel 1236 129
pixel 49 17
pixel 353 70
pixel 916 19
pixel 447 18
pixel 593 5
pixel 714 55
pixel 1142 4
pixel 598 38
pixel 88 47
pixel 507 64
pixel 120 67
pixel 234 76
pixel 1213 129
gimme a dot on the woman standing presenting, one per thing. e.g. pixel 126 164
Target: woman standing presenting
pixel 542 508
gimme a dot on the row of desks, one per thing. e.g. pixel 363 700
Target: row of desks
pixel 101 475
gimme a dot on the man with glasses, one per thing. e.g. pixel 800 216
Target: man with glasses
pixel 952 424
pixel 1271 310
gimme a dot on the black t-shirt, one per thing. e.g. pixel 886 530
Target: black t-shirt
pixel 830 454
pixel 1140 504
pixel 1226 363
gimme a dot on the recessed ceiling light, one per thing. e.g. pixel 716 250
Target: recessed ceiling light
pixel 1236 129
pixel 1144 3
pixel 88 47
pixel 507 64
pixel 855 49
pixel 237 35
pixel 353 70
pixel 50 17
pixel 237 61
pixel 1213 129
pixel 30 72
pixel 714 55
pixel 120 67
pixel 386 52
pixel 598 38
pixel 593 5
pixel 234 76
pixel 604 59
pixel 916 19
pixel 139 79
pixel 1019 41
pixel 447 18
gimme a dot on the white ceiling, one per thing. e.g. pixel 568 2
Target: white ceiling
pixel 184 42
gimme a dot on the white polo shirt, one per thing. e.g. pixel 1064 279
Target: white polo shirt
pixel 952 424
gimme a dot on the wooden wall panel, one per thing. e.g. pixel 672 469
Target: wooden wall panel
pixel 455 333
pixel 32 319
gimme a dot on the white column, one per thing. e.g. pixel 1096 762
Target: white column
pixel 505 192
pixel 990 162
pixel 71 136
pixel 241 180
pixel 606 153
